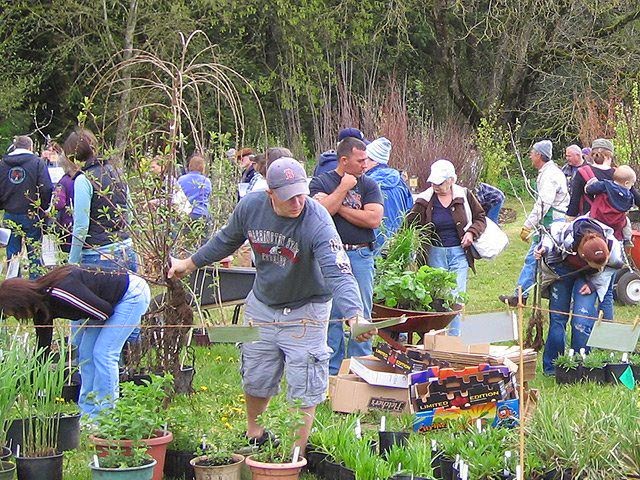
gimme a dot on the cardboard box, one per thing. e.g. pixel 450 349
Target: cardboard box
pixel 377 372
pixel 503 413
pixel 472 386
pixel 439 342
pixel 406 362
pixel 348 393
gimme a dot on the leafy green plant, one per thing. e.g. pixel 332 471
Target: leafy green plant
pixel 284 423
pixel 566 362
pixel 596 359
pixel 118 458
pixel 414 458
pixel 634 359
pixel 12 372
pixel 38 403
pixel 138 413
pixel 417 290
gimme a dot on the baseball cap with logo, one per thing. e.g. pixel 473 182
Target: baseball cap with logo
pixel 352 132
pixel 286 178
pixel 594 250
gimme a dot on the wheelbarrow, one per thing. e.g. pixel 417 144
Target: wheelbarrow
pixel 627 279
pixel 417 322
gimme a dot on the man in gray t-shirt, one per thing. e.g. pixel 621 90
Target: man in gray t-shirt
pixel 300 266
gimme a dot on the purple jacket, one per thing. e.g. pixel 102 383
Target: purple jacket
pixel 62 200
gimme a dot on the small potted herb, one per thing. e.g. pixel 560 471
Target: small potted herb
pixel 412 462
pixel 593 365
pixel 117 464
pixel 615 368
pixel 566 369
pixel 216 458
pixel 137 417
pixel 279 456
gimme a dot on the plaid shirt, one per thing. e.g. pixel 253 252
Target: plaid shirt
pixel 488 196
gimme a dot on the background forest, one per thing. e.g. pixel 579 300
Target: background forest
pixel 438 77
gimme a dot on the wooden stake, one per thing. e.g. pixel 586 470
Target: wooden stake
pixel 521 376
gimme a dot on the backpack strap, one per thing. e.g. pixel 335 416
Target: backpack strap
pixel 586 173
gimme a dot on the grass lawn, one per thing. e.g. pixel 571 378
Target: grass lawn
pixel 218 401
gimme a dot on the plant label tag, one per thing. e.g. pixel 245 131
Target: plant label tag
pixel 488 328
pixel 14 267
pixel 224 334
pixel 614 336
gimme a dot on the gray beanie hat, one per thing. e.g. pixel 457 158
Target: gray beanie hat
pixel 544 148
pixel 603 143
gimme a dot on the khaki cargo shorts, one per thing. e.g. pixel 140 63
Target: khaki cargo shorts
pixel 298 351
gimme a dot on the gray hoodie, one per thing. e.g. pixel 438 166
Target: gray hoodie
pixel 298 260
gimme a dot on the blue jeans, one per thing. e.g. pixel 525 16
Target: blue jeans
pixel 118 256
pixel 100 348
pixel 452 259
pixel 561 295
pixel 528 273
pixel 363 269
pixel 606 305
pixel 494 212
pixel 26 229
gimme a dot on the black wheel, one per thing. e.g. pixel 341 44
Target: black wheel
pixel 628 288
pixel 616 278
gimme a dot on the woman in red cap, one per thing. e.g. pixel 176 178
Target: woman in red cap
pixel 585 255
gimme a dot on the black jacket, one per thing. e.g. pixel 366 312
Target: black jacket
pixel 86 293
pixel 25 185
pixel 107 222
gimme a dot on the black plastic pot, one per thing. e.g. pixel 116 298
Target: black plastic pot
pixel 566 376
pixel 387 439
pixel 68 436
pixel 408 477
pixel 346 473
pixel 314 459
pixel 636 372
pixel 183 381
pixel 200 338
pixel 555 474
pixel 595 375
pixel 39 468
pixel 435 464
pixel 68 432
pixel 330 470
pixel 176 465
pixel 613 371
pixel 446 468
pixel 71 392
pixel 5 454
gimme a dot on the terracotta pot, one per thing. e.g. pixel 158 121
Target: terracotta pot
pixel 157 448
pixel 218 472
pixel 281 471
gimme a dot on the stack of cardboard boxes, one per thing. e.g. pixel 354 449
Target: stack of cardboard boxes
pixel 416 381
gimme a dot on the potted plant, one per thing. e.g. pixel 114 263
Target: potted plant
pixel 273 457
pixel 187 438
pixel 37 457
pixel 594 366
pixel 11 372
pixel 216 459
pixel 566 369
pixel 137 417
pixel 615 368
pixel 118 464
pixel 412 462
pixel 424 294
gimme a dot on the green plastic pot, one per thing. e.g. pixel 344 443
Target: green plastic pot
pixel 145 472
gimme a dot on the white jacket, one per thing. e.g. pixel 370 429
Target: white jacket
pixel 552 193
